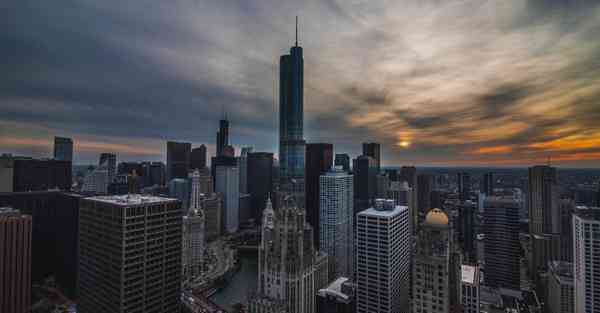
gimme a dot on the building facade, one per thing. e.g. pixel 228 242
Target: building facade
pixel 260 176
pixel 373 149
pixel 193 232
pixel 586 256
pixel 178 159
pixel 15 261
pixel 343 160
pixel 560 294
pixel 469 288
pixel 228 185
pixel 63 149
pixel 198 157
pixel 319 159
pixel 109 161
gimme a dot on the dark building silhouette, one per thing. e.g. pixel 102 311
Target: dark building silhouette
pixel 128 168
pixel 464 185
pixel 220 161
pixel 365 181
pixel 119 186
pixel 260 181
pixel 392 174
pixel 319 159
pixel 109 160
pixel 152 173
pixel 54 249
pixel 229 151
pixel 26 174
pixel 373 150
pixel 467 231
pixel 178 159
pixel 424 188
pixel 222 136
pixel 343 160
pixel 63 149
pixel 487 184
pixel 15 261
pixel 198 157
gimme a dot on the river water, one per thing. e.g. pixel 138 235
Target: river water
pixel 241 284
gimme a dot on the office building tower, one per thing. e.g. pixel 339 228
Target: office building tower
pixel 63 149
pixel 424 187
pixel 400 192
pixel 343 160
pixel 319 159
pixel 487 184
pixel 119 186
pixel 543 200
pixel 129 168
pixel 383 185
pixel 431 265
pixel 463 182
pixel 206 181
pixel 560 291
pixel 136 267
pixel 109 161
pixel 213 205
pixel 19 174
pixel 373 150
pixel 365 180
pixel 179 189
pixel 290 270
pixel 337 297
pixel 467 213
pixel 382 258
pixel 469 288
pixel 409 175
pixel 15 261
pixel 198 157
pixel 291 124
pixel 178 159
pixel 501 243
pixel 336 211
pixel 567 209
pixel 246 210
pixel 228 185
pixel 222 136
pixel 153 174
pixel 55 233
pixel 260 174
pixel 243 164
pixel 96 182
pixel 586 254
pixel 193 231
pixel 221 161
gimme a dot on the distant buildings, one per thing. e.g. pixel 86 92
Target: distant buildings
pixel 501 243
pixel 364 169
pixel 560 295
pixel 343 160
pixel 424 188
pixel 228 185
pixel 464 186
pixel 260 176
pixel 96 182
pixel 15 261
pixel 319 159
pixel 586 256
pixel 487 184
pixel 109 161
pixel 136 267
pixel 213 206
pixel 19 174
pixel 336 221
pixel 198 157
pixel 222 137
pixel 63 149
pixel 243 165
pixel 193 231
pixel 179 189
pixel 178 159
pixel 373 150
pixel 153 174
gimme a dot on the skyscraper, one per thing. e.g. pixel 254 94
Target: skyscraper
pixel 586 256
pixel 178 159
pixel 319 159
pixel 136 267
pixel 243 164
pixel 198 157
pixel 26 174
pixel 109 161
pixel 212 205
pixel 383 268
pixel 343 160
pixel 15 261
pixel 431 269
pixel 464 186
pixel 260 174
pixel 63 149
pixel 227 183
pixel 424 187
pixel 487 184
pixel 501 243
pixel 222 136
pixel 193 231
pixel 560 292
pixel 179 189
pixel 470 288
pixel 364 169
pixel 336 218
pixel 373 150
pixel 291 123
pixel 96 182
pixel 409 175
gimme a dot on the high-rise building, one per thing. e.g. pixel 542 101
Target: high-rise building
pixel 487 184
pixel 469 288
pixel 206 181
pixel 19 174
pixel 153 173
pixel 178 159
pixel 260 174
pixel 467 212
pixel 213 205
pixel 291 124
pixel 501 243
pixel 109 161
pixel 560 292
pixel 136 267
pixel 586 254
pixel 129 168
pixel 243 164
pixel 96 182
pixel 383 185
pixel 464 186
pixel 382 268
pixel 198 157
pixel 222 136
pixel 431 265
pixel 409 175
pixel 567 208
pixel 338 297
pixel 343 160
pixel 336 219
pixel 290 270
pixel 393 174
pixel 55 233
pixel 179 189
pixel 373 150
pixel 63 149
pixel 228 185
pixel 364 169
pixel 424 188
pixel 15 261
pixel 319 159
pixel 193 231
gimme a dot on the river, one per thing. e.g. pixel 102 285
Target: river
pixel 241 284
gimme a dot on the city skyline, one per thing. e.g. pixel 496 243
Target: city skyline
pixel 513 82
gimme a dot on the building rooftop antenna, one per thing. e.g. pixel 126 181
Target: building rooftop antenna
pixel 296 30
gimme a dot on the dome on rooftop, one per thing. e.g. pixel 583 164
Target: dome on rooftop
pixel 436 217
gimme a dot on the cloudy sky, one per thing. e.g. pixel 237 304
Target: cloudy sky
pixel 437 82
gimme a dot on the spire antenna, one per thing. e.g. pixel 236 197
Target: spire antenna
pixel 296 30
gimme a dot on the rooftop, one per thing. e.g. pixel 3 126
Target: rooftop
pixel 131 199
pixel 470 274
pixel 384 213
pixel 335 289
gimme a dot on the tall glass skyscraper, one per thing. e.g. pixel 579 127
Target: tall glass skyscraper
pixel 291 120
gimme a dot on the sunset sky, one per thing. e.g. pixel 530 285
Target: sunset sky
pixel 436 82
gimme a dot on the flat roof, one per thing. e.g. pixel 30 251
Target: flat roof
pixel 335 289
pixel 384 213
pixel 469 274
pixel 131 199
